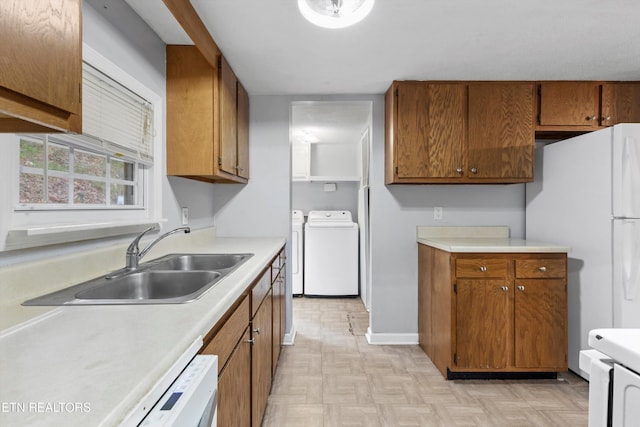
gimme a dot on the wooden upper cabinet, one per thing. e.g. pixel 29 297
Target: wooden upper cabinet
pixel 620 103
pixel 41 62
pixel 459 132
pixel 568 104
pixel 228 118
pixel 206 117
pixel 243 132
pixel 501 137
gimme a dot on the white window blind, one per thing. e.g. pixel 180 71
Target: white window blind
pixel 114 118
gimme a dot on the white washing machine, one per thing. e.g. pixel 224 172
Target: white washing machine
pixel 331 254
pixel 297 255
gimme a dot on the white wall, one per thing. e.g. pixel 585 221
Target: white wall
pixel 307 196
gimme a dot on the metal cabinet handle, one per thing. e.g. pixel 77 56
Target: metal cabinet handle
pixel 483 268
pixel 459 170
pixel 257 331
pixel 251 341
pixel 520 288
pixel 474 170
pixel 606 118
pixel 542 269
pixel 505 288
pixel 592 118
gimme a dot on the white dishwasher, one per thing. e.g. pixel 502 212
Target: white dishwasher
pixel 186 396
pixel 330 254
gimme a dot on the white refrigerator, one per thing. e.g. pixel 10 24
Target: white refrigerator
pixel 586 195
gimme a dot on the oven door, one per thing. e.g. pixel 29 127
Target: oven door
pixel 626 397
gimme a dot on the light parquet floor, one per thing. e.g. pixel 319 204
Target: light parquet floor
pixel 332 377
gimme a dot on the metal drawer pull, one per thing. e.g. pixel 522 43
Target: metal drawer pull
pixel 505 288
pixel 251 341
pixel 542 269
pixel 474 170
pixel 459 170
pixel 257 331
pixel 483 268
pixel 520 288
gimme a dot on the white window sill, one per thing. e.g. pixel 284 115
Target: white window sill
pixel 44 235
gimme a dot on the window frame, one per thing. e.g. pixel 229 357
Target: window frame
pixel 33 226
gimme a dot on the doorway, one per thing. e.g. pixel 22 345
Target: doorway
pixel 330 157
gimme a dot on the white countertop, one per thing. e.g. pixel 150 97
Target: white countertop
pixel 491 245
pixel 483 239
pixel 91 365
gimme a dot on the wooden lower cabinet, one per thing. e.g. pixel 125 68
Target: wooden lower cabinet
pixel 493 313
pixel 247 342
pixel 234 387
pixel 261 363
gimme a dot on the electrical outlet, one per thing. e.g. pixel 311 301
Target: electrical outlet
pixel 438 213
pixel 185 216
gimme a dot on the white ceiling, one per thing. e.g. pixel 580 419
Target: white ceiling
pixel 273 50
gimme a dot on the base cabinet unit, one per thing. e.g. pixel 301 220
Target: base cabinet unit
pixel 493 313
pixel 41 78
pixel 459 132
pixel 207 119
pixel 247 342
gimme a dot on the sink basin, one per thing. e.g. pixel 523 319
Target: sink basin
pixel 199 261
pixel 172 279
pixel 152 285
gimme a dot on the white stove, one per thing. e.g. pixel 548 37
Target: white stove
pixel 614 384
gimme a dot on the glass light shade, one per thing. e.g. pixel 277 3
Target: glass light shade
pixel 335 13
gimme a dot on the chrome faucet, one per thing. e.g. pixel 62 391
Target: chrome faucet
pixel 134 254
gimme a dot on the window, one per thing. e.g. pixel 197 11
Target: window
pixel 59 174
pixel 105 182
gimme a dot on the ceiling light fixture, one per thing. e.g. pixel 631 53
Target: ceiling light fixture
pixel 335 13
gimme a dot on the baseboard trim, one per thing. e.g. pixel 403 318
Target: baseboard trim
pixel 290 338
pixel 391 339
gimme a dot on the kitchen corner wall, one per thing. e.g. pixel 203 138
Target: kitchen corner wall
pixel 262 208
pixel 118 34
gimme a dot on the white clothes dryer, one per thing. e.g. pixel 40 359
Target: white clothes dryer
pixel 331 254
pixel 297 252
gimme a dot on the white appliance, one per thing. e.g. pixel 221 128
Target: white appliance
pixel 614 386
pixel 586 196
pixel 297 252
pixel 331 254
pixel 185 396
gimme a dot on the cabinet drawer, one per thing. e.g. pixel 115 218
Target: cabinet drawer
pixel 488 267
pixel 259 291
pixel 227 337
pixel 534 268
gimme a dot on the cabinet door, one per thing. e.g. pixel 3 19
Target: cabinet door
pixel 261 364
pixel 243 132
pixel 41 53
pixel 234 387
pixel 501 137
pixel 541 323
pixel 484 324
pixel 620 103
pixel 431 130
pixel 228 118
pixel 569 103
pixel 277 295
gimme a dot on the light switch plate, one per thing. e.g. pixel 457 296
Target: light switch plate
pixel 185 216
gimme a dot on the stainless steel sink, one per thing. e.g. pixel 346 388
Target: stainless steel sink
pixel 153 285
pixel 172 279
pixel 199 261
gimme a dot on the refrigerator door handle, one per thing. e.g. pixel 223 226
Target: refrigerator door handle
pixel 626 157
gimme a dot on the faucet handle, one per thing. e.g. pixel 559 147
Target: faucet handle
pixel 133 247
